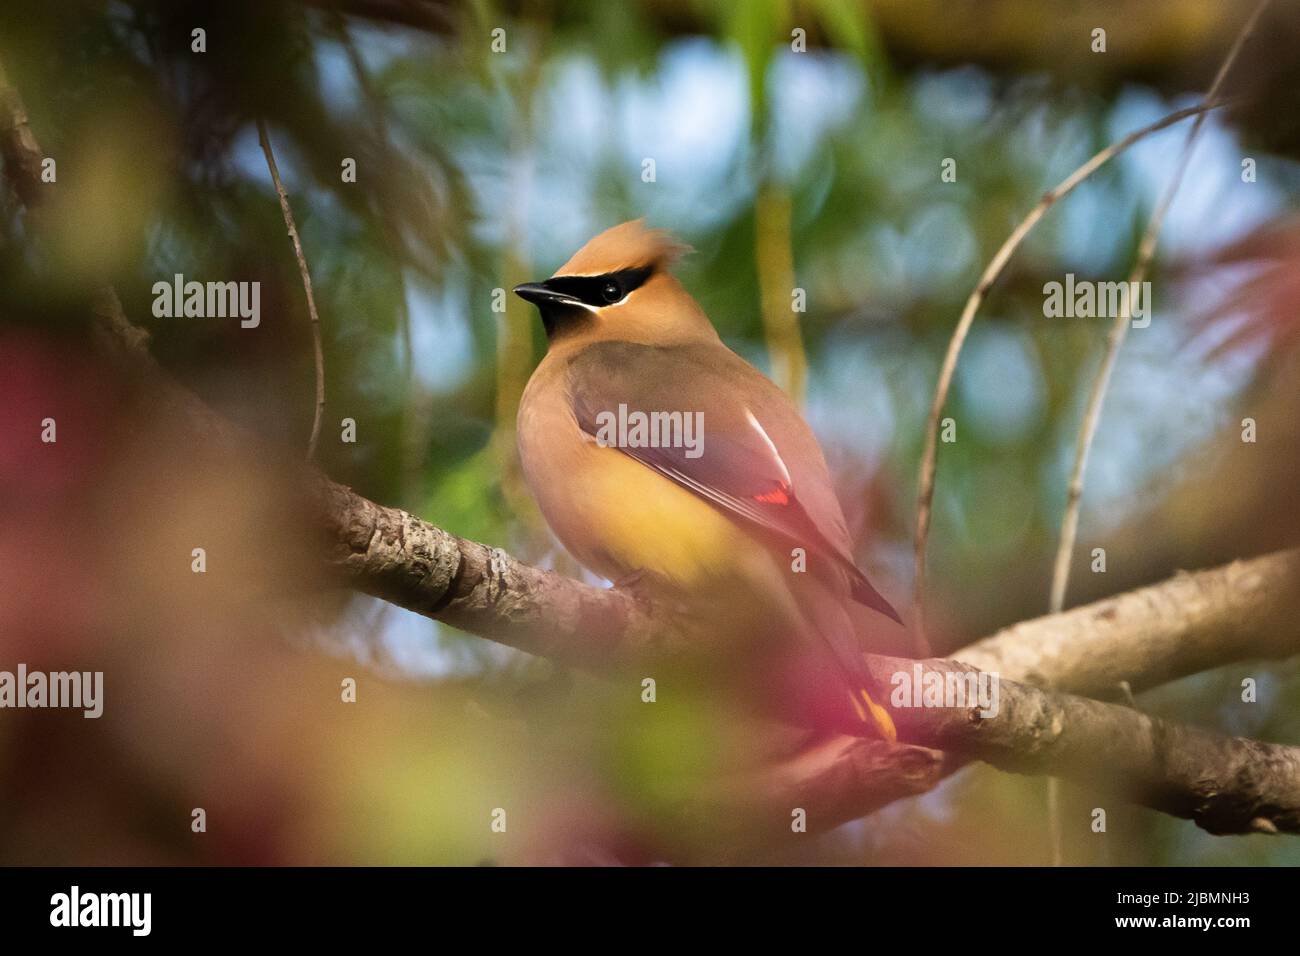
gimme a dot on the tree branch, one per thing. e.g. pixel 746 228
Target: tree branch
pixel 1225 784
pixel 1188 624
pixel 395 556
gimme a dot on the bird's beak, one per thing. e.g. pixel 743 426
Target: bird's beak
pixel 540 295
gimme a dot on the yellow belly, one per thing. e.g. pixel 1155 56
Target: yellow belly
pixel 619 516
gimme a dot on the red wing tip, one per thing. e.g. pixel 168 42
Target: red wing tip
pixel 775 497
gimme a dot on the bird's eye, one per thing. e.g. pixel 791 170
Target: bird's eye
pixel 611 292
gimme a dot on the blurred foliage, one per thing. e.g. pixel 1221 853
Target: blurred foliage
pixel 479 169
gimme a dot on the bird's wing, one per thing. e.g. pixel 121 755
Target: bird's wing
pixel 738 464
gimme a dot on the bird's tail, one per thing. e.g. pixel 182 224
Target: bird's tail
pixel 864 592
pixel 827 621
pixel 869 712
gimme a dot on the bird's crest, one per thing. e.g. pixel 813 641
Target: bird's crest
pixel 629 245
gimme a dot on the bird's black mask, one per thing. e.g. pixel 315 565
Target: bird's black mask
pixel 564 301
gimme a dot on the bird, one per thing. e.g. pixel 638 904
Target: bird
pixel 725 509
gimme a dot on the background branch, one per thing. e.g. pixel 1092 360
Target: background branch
pixel 1191 623
pixel 1101 383
pixel 317 355
pixel 1119 329
pixel 929 456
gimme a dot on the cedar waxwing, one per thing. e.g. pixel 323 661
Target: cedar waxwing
pixel 734 483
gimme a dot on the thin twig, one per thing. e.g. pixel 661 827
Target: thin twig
pixel 925 481
pixel 1101 383
pixel 318 353
pixel 1119 331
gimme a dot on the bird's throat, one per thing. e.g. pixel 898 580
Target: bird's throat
pixel 562 321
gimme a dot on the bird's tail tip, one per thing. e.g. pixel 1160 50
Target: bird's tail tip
pixel 865 593
pixel 869 712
